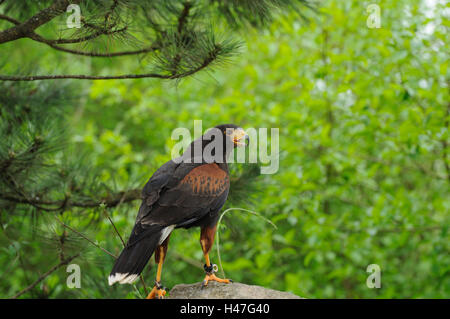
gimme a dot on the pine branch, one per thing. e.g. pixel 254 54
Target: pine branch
pixel 9 19
pixel 180 47
pixel 111 10
pixel 256 13
pixel 36 37
pixel 53 43
pixel 91 77
pixel 46 205
pixel 86 238
pixel 45 275
pixel 207 61
pixel 26 28
pixel 183 16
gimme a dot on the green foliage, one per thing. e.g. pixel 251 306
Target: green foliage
pixel 364 161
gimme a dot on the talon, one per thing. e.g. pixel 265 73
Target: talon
pixel 161 296
pixel 212 277
pixel 158 292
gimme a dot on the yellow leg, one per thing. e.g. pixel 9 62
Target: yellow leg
pixel 210 269
pixel 158 292
pixel 160 264
pixel 208 263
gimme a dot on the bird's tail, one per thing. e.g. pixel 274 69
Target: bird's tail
pixel 135 255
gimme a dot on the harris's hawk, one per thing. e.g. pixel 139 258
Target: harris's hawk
pixel 186 192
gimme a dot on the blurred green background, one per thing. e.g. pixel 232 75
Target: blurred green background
pixel 364 171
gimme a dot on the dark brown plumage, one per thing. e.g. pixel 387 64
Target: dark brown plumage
pixel 185 192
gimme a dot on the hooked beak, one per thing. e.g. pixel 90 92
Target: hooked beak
pixel 240 137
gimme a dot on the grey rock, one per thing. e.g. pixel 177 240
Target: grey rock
pixel 234 290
